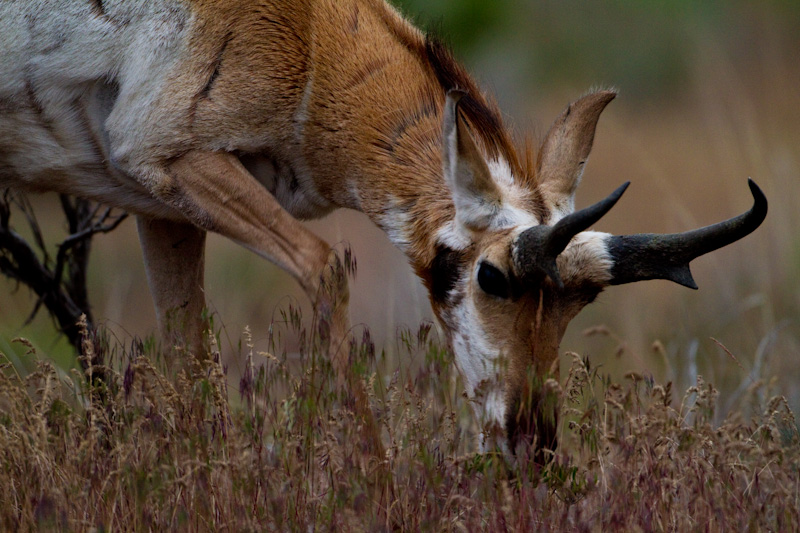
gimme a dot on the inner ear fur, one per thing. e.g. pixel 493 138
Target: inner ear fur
pixel 566 148
pixel 475 194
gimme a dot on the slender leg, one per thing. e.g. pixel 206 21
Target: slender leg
pixel 217 193
pixel 173 256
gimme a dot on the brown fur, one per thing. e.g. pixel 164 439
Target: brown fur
pixel 389 144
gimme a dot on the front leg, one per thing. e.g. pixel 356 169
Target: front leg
pixel 214 191
pixel 217 193
pixel 174 262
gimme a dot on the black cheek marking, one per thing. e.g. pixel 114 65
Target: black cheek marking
pixel 446 270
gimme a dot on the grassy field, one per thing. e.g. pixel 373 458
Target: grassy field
pixel 264 440
pixel 179 449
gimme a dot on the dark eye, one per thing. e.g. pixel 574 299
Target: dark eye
pixel 492 281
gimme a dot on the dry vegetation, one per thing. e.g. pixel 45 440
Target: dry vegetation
pixel 159 449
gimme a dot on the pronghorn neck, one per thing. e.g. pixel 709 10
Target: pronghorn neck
pixel 374 113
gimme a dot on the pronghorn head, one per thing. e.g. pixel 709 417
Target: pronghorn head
pixel 509 277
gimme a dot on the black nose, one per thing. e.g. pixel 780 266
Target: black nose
pixel 531 424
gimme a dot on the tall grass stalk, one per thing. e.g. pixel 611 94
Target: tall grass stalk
pixel 158 448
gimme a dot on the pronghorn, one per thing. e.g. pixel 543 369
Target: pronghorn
pixel 242 116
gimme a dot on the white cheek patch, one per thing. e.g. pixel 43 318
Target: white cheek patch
pixel 494 408
pixel 492 424
pixel 480 365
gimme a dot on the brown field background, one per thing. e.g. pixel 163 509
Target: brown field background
pixel 709 96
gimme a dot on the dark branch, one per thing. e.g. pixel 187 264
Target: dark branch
pixel 61 289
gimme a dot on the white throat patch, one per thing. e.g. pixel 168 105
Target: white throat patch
pixel 480 364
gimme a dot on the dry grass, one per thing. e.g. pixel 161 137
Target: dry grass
pixel 157 449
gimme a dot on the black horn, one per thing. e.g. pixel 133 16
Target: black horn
pixel 537 248
pixel 650 256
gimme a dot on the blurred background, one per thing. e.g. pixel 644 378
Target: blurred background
pixel 709 95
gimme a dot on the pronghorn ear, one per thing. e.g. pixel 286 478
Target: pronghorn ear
pixel 475 195
pixel 566 149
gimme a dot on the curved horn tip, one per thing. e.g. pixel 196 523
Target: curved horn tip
pixel 758 196
pixel 609 201
pixel 620 190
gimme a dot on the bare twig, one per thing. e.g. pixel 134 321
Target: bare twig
pixel 61 289
pixel 86 230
